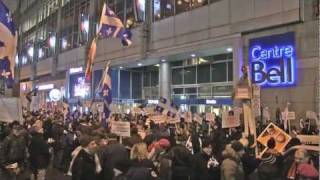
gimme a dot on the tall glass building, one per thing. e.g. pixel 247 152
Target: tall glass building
pixel 189 51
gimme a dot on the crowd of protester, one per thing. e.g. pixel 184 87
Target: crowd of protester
pixel 81 148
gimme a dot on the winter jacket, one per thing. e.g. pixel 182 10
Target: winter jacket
pixel 201 171
pixel 182 162
pixel 12 149
pixel 112 155
pixel 231 167
pixel 39 152
pixel 266 172
pixel 84 167
pixel 141 170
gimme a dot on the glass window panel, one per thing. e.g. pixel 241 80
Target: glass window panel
pixel 190 90
pixel 230 71
pixel 219 72
pixel 204 91
pixel 203 74
pixel 190 75
pixel 136 85
pixel 178 91
pixel 162 9
pixel 220 57
pixel 124 84
pixel 177 75
pixel 176 63
pixel 198 3
pixel 114 83
pixel 130 10
pixel 214 1
pixel 182 6
pixel 222 90
pixel 154 78
pixel 146 79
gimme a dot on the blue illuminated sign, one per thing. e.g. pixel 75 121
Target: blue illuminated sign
pixel 272 60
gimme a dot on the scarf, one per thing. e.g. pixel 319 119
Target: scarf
pixel 74 155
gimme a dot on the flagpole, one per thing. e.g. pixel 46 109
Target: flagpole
pixel 95 92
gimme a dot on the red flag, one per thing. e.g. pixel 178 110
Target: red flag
pixel 91 56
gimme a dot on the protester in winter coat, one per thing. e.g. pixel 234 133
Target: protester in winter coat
pixel 112 155
pixel 231 167
pixel 205 165
pixel 39 154
pixel 141 168
pixel 13 151
pixel 182 162
pixel 86 164
pixel 267 169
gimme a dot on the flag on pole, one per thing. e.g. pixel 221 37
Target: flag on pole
pixel 66 109
pixel 8 45
pixel 107 95
pixel 91 56
pixel 111 26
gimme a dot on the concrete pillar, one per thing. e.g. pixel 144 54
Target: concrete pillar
pixel 165 80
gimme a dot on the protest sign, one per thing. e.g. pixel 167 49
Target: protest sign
pixel 197 118
pixel 210 117
pixel 230 119
pixel 159 119
pixel 242 93
pixel 273 131
pixel 311 115
pixel 120 128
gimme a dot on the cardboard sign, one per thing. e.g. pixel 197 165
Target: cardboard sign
pixel 149 110
pixel 311 115
pixel 230 121
pixel 137 110
pixel 10 109
pixel 120 128
pixel 309 139
pixel 159 119
pixel 242 93
pixel 210 117
pixel 188 117
pixel 273 131
pixel 197 118
pixel 291 115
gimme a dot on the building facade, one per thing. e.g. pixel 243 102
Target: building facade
pixel 189 51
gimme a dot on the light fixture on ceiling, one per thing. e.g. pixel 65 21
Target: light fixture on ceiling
pixel 193 55
pixel 139 64
pixel 229 49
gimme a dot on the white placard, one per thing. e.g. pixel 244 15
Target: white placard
pixel 120 128
pixel 210 117
pixel 229 121
pixel 10 110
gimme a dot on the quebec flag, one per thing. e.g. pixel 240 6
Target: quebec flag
pixel 111 26
pixel 8 44
pixel 107 95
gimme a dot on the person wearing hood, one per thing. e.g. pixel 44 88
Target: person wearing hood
pixel 231 167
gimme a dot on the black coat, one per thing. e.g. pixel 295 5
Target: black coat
pixel 39 152
pixel 201 171
pixel 12 149
pixel 111 156
pixel 84 167
pixel 182 162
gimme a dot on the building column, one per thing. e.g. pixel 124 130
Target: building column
pixel 165 80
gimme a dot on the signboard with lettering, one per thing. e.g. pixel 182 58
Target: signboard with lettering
pixel 272 60
pixel 120 128
pixel 230 119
